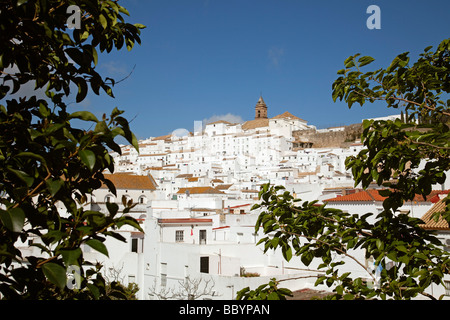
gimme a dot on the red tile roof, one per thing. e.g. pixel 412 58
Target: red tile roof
pixel 257 123
pixel 130 181
pixel 220 121
pixel 287 115
pixel 200 190
pixel 430 223
pixel 435 196
pixel 219 228
pixel 373 195
pixel 366 195
pixel 242 205
pixel 166 137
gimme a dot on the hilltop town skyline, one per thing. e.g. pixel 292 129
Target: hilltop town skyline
pixel 232 119
pixel 208 59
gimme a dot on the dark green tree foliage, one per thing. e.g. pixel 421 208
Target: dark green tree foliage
pixel 268 291
pixel 44 160
pixel 395 149
pixel 391 158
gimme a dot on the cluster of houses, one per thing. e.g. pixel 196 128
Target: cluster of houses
pixel 194 195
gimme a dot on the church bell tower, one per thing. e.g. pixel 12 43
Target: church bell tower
pixel 260 109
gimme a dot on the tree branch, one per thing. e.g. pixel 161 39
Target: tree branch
pixel 335 248
pixel 383 98
pixel 427 144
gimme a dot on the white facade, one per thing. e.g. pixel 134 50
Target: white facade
pixel 207 235
pixel 210 238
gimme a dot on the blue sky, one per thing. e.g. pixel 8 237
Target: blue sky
pixel 201 59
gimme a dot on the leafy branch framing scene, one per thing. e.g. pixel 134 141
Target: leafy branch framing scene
pixel 48 167
pixel 54 156
pixel 405 158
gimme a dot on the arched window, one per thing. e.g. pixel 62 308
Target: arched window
pixel 142 200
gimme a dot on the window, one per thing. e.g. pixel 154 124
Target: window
pixel 163 274
pixel 163 280
pixel 447 287
pixel 137 242
pixel 202 237
pixel 204 264
pixel 142 200
pixel 134 245
pixel 179 236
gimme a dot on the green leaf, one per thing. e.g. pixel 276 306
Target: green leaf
pixel 103 21
pixel 84 115
pixel 82 90
pixel 123 10
pixel 380 244
pixel 287 253
pixel 95 291
pixel 129 221
pixel 98 245
pixel 55 274
pixel 27 154
pixel 70 257
pixel 22 176
pixel 113 208
pixel 94 56
pixel 307 258
pixel 349 62
pixel 76 55
pixel 13 219
pixel 140 26
pixel 88 158
pixel 54 185
pixel 385 192
pixel 320 280
pixel 134 141
pixel 273 296
pixel 365 60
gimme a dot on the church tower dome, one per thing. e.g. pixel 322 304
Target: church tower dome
pixel 260 109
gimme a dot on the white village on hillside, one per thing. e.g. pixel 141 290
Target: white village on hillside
pixel 194 195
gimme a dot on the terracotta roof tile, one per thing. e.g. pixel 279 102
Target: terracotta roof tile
pixel 257 123
pixel 220 121
pixel 166 137
pixel 130 181
pixel 430 223
pixel 366 195
pixel 373 195
pixel 200 190
pixel 287 115
pixel 224 186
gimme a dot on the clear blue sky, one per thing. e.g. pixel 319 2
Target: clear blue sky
pixel 204 58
